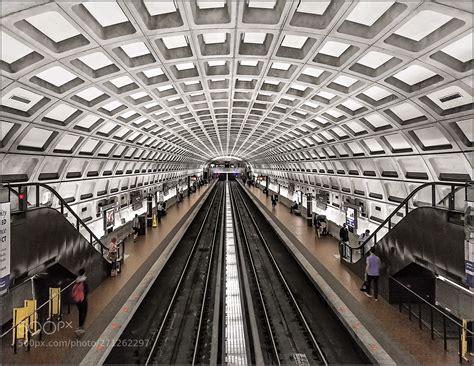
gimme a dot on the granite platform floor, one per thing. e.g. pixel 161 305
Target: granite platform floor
pixel 385 319
pixel 63 346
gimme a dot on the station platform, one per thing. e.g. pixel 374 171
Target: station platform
pixel 400 338
pixel 63 346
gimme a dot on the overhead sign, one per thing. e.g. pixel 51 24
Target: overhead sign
pixel 4 247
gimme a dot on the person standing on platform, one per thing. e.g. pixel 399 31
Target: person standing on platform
pixel 344 239
pixel 80 291
pixel 135 227
pixel 372 273
pixel 159 211
pixel 274 202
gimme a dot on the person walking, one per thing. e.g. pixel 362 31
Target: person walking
pixel 372 273
pixel 135 227
pixel 80 291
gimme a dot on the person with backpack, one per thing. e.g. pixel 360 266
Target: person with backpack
pixel 79 297
pixel 135 227
pixel 113 256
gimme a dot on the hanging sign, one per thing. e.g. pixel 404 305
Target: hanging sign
pixel 4 247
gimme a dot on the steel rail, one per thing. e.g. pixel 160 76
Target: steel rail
pixel 180 281
pixel 208 275
pixel 286 286
pixel 257 281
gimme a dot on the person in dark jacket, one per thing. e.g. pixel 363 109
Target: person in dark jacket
pixel 80 291
pixel 344 239
pixel 344 233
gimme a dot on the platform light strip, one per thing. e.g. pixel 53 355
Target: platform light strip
pixel 235 346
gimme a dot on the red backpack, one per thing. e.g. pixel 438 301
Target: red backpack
pixel 78 293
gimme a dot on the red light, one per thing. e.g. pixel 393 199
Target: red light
pixel 21 196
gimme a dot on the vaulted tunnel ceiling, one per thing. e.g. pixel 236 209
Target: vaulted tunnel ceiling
pixel 273 82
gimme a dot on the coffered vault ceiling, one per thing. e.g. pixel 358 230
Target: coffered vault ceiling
pixel 272 82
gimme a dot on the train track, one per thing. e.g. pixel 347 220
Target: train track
pixel 295 323
pixel 285 333
pixel 285 319
pixel 185 332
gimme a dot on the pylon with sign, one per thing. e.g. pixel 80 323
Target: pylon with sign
pixel 154 222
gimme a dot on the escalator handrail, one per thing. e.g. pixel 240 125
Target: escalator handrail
pixel 64 204
pixel 400 206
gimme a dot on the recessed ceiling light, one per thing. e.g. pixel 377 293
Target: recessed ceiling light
pixel 352 104
pixel 281 66
pixel 406 111
pixel 106 13
pixel 185 66
pixel 57 75
pixel 213 38
pixel 136 49
pixel 53 25
pixel 266 4
pixel 61 112
pixel 160 7
pixel 150 73
pixel 164 87
pixel 414 74
pixel 138 95
pixel 248 63
pixel 216 63
pixel 422 24
pixel 12 49
pixel 96 60
pixel 121 81
pixel 377 93
pixel 374 59
pixel 334 49
pixel 293 41
pixel 173 42
pixel 255 38
pixel 36 138
pixel 368 12
pixel 90 93
pixel 313 7
pixel 345 81
pixel 311 71
pixel 112 105
pixel 460 49
pixel 215 4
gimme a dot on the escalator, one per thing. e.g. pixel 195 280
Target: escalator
pixel 430 237
pixel 44 241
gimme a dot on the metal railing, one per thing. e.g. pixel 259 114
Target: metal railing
pixel 403 206
pixel 63 206
pixel 433 309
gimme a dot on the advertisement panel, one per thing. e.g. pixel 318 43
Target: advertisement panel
pixel 4 247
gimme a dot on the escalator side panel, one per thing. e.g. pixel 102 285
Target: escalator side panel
pixel 43 235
